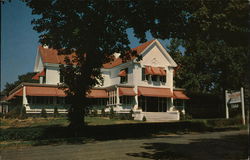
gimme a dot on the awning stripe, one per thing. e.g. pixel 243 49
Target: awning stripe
pixel 154 92
pixel 126 91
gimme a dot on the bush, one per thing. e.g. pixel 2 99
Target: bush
pixel 23 114
pixel 144 119
pixel 131 115
pixel 56 113
pixel 14 113
pixel 44 113
pixel 112 113
pixel 103 112
pixel 95 113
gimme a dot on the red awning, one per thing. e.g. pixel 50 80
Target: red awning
pixel 36 77
pixel 126 92
pixel 122 73
pixel 44 91
pixel 97 93
pixel 163 72
pixel 148 70
pixel 155 71
pixel 180 95
pixel 154 92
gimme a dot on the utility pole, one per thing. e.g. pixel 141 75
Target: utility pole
pixel 242 105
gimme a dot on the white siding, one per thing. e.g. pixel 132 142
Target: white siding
pixel 52 75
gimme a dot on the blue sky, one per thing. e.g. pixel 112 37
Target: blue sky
pixel 20 41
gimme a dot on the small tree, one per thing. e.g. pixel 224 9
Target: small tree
pixel 44 113
pixel 23 114
pixel 131 114
pixel 112 113
pixel 103 112
pixel 56 113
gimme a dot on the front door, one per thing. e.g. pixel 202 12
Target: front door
pixel 153 104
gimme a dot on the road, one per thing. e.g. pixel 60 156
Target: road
pixel 229 145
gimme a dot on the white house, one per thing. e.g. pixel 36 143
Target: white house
pixel 146 86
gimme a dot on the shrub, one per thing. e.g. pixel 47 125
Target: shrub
pixel 103 112
pixel 144 119
pixel 131 115
pixel 112 113
pixel 56 113
pixel 23 114
pixel 95 113
pixel 14 113
pixel 44 113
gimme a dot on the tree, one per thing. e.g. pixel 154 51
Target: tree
pixel 96 29
pixel 21 78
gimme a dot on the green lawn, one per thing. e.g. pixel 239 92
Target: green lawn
pixel 35 122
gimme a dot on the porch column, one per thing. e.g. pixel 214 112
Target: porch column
pixel 136 98
pixel 117 97
pixel 25 101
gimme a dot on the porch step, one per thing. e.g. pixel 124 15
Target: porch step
pixel 161 116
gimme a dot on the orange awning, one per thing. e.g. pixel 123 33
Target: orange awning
pixel 148 70
pixel 44 91
pixel 154 92
pixel 97 93
pixel 36 77
pixel 180 95
pixel 126 92
pixel 122 73
pixel 155 71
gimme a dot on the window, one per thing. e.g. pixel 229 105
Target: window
pixel 144 76
pixel 126 99
pixel 154 77
pixel 163 79
pixel 124 75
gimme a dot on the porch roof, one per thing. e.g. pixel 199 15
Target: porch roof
pixel 126 91
pixel 180 95
pixel 39 74
pixel 155 92
pixel 97 93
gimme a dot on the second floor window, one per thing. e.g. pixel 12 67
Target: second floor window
pixel 124 75
pixel 144 75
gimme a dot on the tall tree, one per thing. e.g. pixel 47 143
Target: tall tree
pixel 27 77
pixel 96 29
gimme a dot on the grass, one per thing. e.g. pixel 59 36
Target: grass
pixel 62 121
pixel 43 131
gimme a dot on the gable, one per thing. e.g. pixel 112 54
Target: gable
pixel 38 63
pixel 156 55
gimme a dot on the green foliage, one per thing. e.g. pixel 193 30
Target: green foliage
pixel 43 113
pixel 111 113
pixel 103 112
pixel 95 113
pixel 23 114
pixel 21 78
pixel 14 113
pixel 144 119
pixel 56 113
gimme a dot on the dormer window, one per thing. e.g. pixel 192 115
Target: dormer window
pixel 124 75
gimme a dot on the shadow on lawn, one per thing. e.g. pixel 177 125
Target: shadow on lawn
pixel 225 148
pixel 43 135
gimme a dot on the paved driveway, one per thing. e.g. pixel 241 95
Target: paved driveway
pixel 229 145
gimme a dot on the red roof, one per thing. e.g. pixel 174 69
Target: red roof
pixel 19 92
pixel 36 77
pixel 180 95
pixel 97 93
pixel 139 49
pixel 51 55
pixel 126 91
pixel 154 92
